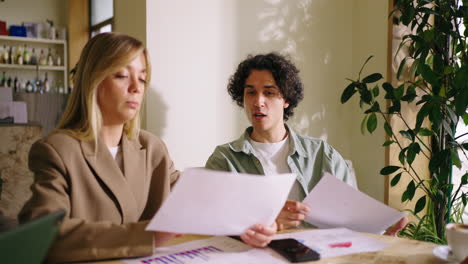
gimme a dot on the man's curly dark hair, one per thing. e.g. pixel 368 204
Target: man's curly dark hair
pixel 283 70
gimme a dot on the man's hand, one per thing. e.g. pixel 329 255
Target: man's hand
pixel 394 229
pixel 259 236
pixel 292 214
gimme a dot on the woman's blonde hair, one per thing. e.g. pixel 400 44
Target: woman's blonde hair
pixel 102 56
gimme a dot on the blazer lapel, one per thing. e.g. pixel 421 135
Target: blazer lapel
pixel 134 159
pixel 109 173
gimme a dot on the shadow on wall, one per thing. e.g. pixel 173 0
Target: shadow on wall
pixel 301 30
pixel 156 111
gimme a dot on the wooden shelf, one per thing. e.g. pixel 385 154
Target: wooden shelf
pixel 36 40
pixel 32 67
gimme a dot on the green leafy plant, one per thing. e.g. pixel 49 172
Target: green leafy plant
pixel 433 75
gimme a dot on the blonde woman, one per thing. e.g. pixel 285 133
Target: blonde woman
pixel 108 175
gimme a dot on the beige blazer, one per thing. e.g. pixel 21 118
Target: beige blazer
pixel 107 210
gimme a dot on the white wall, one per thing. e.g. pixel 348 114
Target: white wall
pixel 369 38
pixel 196 45
pixel 14 12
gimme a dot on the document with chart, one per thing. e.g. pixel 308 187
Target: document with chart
pixel 208 202
pixel 215 250
pixel 334 203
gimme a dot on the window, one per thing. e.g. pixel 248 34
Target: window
pixel 101 16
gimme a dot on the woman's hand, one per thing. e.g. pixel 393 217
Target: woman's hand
pixel 292 214
pixel 160 238
pixel 259 236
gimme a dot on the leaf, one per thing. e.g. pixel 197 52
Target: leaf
pixel 452 115
pixel 395 108
pixel 348 92
pixel 410 94
pixel 465 146
pixel 438 159
pixel 401 67
pixel 395 179
pixel 406 134
pixel 420 205
pixel 372 123
pixel 388 129
pixel 413 150
pixel 455 159
pixel 425 132
pixel 389 170
pixel 389 90
pixel 375 108
pixel 465 118
pixel 427 74
pixel 398 92
pixel 464 179
pixel 363 124
pixel 388 143
pixel 410 190
pixel 447 128
pixel 375 91
pixel 367 60
pixel 402 156
pixel 372 78
pixel 366 96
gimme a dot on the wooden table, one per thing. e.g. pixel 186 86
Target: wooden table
pixel 400 251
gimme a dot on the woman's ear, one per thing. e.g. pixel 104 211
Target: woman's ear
pixel 286 105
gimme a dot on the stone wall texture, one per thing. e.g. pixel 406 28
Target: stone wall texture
pixel 15 143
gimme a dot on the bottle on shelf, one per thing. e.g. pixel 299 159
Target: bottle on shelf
pixel 8 57
pixel 58 60
pixel 38 84
pixel 9 82
pixel 3 51
pixel 46 84
pixel 26 55
pixel 19 55
pixel 16 85
pixel 33 57
pixel 50 59
pixel 3 80
pixel 29 87
pixel 42 58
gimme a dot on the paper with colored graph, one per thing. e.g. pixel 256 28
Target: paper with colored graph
pixel 335 242
pixel 208 202
pixel 216 250
pixel 334 203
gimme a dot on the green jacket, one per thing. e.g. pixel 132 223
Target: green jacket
pixel 309 158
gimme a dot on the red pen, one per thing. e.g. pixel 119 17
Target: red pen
pixel 341 244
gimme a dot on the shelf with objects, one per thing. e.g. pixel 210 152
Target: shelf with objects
pixel 34 71
pixel 39 61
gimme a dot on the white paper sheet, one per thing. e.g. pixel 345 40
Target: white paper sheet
pixel 216 250
pixel 334 203
pixel 210 202
pixel 335 242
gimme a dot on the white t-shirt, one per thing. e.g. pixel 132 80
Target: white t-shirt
pixel 113 151
pixel 116 153
pixel 274 160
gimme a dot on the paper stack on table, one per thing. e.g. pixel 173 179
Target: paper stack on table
pixel 211 202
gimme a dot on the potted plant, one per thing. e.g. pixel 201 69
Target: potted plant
pixel 433 79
